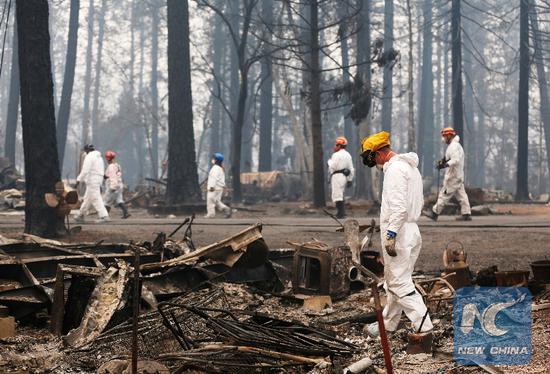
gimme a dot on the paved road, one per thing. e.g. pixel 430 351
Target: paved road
pixel 14 220
pixel 509 241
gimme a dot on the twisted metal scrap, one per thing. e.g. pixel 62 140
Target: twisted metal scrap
pixel 224 325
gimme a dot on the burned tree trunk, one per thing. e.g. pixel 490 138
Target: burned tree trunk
pixel 349 130
pixel 218 57
pixel 522 172
pixel 266 99
pixel 38 117
pixel 542 81
pixel 426 114
pixel 99 60
pixel 364 179
pixel 13 101
pixel 411 129
pixel 387 85
pixel 68 80
pixel 456 57
pixel 154 90
pixel 183 183
pixel 315 108
pixel 88 75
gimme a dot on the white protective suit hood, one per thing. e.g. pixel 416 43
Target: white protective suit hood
pixel 410 158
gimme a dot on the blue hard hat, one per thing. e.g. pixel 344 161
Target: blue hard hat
pixel 218 157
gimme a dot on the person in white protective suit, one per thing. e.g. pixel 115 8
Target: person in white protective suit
pixel 215 187
pixel 453 183
pixel 114 185
pixel 341 171
pixel 402 202
pixel 92 174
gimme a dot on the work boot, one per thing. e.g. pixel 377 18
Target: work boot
pixel 340 210
pixel 464 217
pixel 228 213
pixel 125 213
pixel 373 330
pixel 430 214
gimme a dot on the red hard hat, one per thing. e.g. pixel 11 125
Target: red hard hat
pixel 341 141
pixel 109 155
pixel 448 131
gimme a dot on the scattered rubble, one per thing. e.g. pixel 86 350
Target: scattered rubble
pixel 234 306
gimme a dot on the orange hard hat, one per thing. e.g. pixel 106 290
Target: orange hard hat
pixel 448 131
pixel 109 155
pixel 341 141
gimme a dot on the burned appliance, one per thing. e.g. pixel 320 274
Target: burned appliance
pixel 321 269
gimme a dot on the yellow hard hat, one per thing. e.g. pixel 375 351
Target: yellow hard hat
pixel 376 141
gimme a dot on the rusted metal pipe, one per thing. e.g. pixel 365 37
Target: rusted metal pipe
pixel 381 328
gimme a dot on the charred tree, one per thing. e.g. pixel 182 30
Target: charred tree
pixel 68 81
pixel 456 57
pixel 387 84
pixel 315 107
pixel 38 117
pixel 426 114
pixel 233 15
pixel 266 98
pixel 239 33
pixel 522 172
pixel 98 67
pixel 183 183
pixel 154 89
pixel 411 128
pixel 13 101
pixel 363 52
pixel 542 81
pixel 217 57
pixel 88 75
pixel 349 130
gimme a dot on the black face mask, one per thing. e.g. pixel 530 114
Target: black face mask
pixel 369 158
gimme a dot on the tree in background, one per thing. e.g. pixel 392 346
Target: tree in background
pixel 426 96
pixel 387 85
pixel 13 101
pixel 38 117
pixel 88 75
pixel 68 80
pixel 522 186
pixel 183 183
pixel 456 40
pixel 266 97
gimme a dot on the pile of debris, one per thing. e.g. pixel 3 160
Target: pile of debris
pixel 232 306
pixel 11 186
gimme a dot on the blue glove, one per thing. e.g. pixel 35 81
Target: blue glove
pixel 390 243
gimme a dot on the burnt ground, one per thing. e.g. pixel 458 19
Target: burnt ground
pixel 509 241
